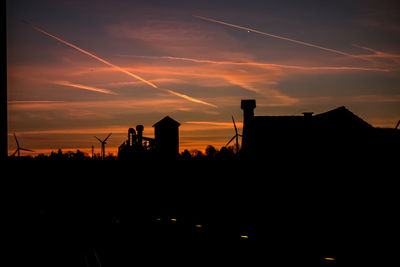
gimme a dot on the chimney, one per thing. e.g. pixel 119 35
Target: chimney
pixel 131 136
pixel 248 106
pixel 139 130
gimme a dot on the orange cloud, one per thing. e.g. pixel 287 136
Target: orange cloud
pixel 214 123
pixel 121 69
pixel 386 60
pixel 158 105
pixel 372 98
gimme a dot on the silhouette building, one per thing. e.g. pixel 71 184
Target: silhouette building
pixel 165 144
pixel 166 133
pixel 336 132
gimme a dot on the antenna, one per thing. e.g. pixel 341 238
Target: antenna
pixel 236 136
pixel 103 143
pixel 19 148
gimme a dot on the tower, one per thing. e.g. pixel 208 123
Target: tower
pixel 131 137
pixel 166 134
pixel 139 130
pixel 248 106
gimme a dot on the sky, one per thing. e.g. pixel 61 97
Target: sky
pixel 157 60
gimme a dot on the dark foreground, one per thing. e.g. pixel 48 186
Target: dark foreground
pixel 198 213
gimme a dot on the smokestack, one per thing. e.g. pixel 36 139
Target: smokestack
pixel 139 130
pixel 248 106
pixel 131 136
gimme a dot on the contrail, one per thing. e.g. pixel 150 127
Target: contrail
pixel 272 65
pixel 85 87
pixel 260 64
pixel 278 37
pixel 119 68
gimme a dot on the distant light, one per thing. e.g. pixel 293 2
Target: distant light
pixel 199 225
pixel 158 219
pixel 329 259
pixel 248 31
pixel 244 236
pixel 174 220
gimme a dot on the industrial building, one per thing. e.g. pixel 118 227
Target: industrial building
pixel 165 143
pixel 334 133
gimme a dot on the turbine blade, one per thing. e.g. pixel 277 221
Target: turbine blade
pixel 16 140
pixel 98 139
pixel 107 137
pixel 25 149
pixel 234 124
pixel 230 140
pixel 13 154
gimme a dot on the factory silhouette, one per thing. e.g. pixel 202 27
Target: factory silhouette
pixel 293 194
pixel 332 135
pixel 165 143
pixel 337 133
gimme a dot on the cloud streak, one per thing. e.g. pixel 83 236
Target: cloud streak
pixel 379 55
pixel 272 65
pixel 279 37
pixel 120 69
pixel 84 87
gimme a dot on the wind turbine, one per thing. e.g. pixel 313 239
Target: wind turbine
pixel 103 143
pixel 235 136
pixel 19 148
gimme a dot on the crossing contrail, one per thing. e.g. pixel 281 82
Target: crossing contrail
pixel 120 69
pixel 278 37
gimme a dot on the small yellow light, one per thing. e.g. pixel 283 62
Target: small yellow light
pixel 330 259
pixel 158 219
pixel 174 220
pixel 244 236
pixel 199 225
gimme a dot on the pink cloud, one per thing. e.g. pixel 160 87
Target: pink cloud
pixel 381 59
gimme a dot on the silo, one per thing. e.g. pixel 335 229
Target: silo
pixel 166 134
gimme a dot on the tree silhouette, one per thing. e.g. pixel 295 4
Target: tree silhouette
pixel 211 151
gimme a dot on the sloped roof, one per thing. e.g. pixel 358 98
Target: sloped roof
pixel 342 117
pixel 339 118
pixel 167 121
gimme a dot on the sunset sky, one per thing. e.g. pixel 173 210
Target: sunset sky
pixel 59 97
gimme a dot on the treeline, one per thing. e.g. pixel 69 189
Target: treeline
pixel 225 153
pixel 210 153
pixel 68 155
